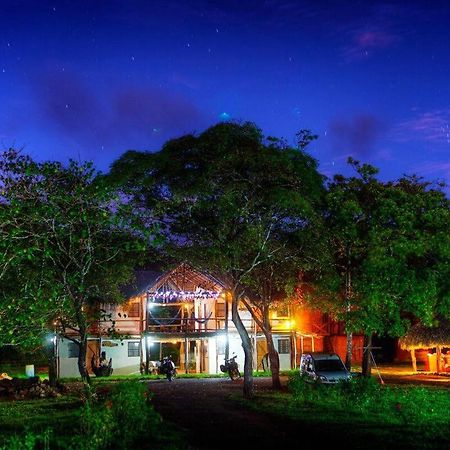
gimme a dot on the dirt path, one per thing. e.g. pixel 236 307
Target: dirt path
pixel 212 420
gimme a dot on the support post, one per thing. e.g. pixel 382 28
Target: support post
pixel 227 342
pixel 147 354
pixel 186 354
pixel 413 360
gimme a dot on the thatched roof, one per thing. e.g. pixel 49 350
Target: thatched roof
pixel 420 336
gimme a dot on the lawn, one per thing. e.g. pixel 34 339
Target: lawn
pixel 87 422
pixel 367 414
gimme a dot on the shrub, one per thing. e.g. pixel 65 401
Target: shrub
pixel 29 441
pixel 424 410
pixel 118 418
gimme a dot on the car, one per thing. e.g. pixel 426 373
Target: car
pixel 326 368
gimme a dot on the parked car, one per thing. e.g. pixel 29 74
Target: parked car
pixel 326 368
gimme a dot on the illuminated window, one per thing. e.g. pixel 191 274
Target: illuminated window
pixel 134 349
pixel 73 350
pixel 283 311
pixel 133 309
pixel 284 346
pixel 220 309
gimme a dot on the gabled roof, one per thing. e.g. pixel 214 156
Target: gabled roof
pixel 185 278
pixel 181 278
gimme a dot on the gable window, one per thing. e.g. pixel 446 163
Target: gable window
pixel 73 350
pixel 134 349
pixel 283 346
pixel 220 309
pixel 133 309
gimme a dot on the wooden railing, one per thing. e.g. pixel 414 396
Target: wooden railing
pixel 184 325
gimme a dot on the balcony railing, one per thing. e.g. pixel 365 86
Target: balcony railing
pixel 186 325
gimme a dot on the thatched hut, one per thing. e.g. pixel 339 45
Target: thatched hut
pixel 422 337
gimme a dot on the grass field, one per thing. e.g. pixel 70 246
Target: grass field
pixel 373 415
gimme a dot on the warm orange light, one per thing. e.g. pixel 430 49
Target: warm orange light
pixel 289 324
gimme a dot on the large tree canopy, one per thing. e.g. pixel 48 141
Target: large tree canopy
pixel 390 245
pixel 66 247
pixel 226 199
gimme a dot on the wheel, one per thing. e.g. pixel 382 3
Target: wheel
pixel 234 374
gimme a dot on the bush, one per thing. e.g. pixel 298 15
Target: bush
pixel 425 410
pixel 29 441
pixel 118 418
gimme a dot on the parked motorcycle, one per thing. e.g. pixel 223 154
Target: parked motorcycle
pixel 231 367
pixel 167 368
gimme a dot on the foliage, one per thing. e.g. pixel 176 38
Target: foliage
pixel 111 417
pixel 119 420
pixel 368 398
pixel 226 200
pixel 424 411
pixel 67 245
pixel 390 247
pixel 29 441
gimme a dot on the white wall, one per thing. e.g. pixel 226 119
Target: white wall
pixel 68 367
pixel 122 364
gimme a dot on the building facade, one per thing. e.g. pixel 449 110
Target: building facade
pixel 186 314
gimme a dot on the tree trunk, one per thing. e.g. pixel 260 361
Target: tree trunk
pixel 413 360
pixel 349 351
pixel 348 291
pixel 82 360
pixel 273 354
pixel 52 372
pixel 274 362
pixel 247 346
pixel 438 359
pixel 367 356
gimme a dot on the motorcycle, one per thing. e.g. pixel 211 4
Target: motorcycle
pixel 167 368
pixel 231 367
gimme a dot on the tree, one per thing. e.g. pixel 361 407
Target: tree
pixel 270 284
pixel 67 246
pixel 225 199
pixel 390 250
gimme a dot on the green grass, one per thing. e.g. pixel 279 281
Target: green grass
pixel 19 417
pixel 75 422
pixel 370 415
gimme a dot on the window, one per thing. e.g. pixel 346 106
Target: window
pixel 284 346
pixel 221 346
pixel 73 350
pixel 220 309
pixel 133 309
pixel 283 311
pixel 134 349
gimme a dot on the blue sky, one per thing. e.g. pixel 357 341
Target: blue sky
pixel 89 80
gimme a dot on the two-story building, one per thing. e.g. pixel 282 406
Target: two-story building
pixel 187 314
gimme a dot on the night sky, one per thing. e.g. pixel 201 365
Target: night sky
pixel 89 80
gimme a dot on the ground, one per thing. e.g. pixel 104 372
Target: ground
pixel 213 417
pixel 207 410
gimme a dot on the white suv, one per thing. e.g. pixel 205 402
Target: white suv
pixel 326 368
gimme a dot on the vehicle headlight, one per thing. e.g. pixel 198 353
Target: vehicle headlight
pixel 323 378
